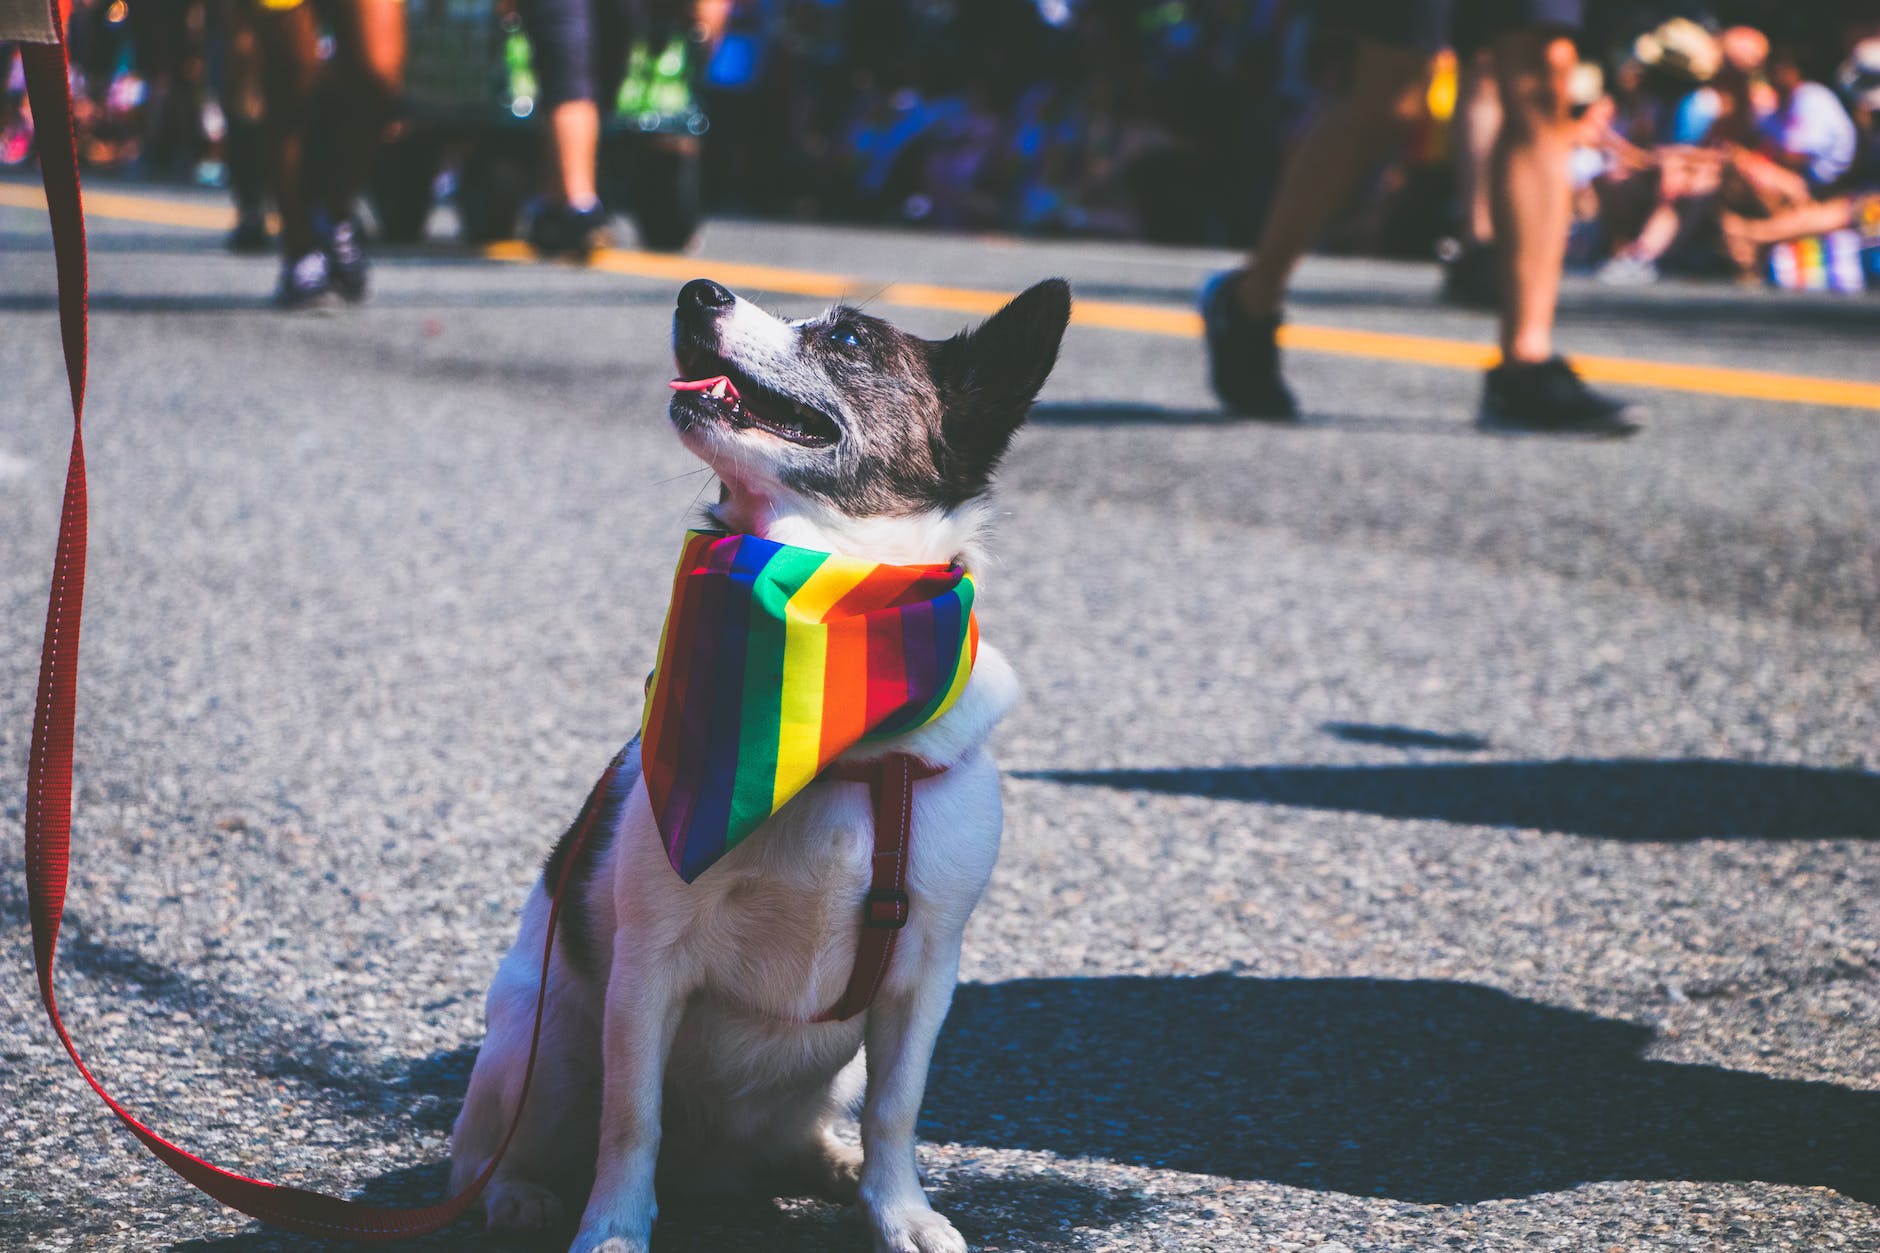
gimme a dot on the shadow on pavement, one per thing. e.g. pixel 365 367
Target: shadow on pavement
pixel 1108 413
pixel 1112 413
pixel 1033 1213
pixel 1404 737
pixel 1424 1091
pixel 1616 800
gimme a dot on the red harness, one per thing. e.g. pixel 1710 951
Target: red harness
pixel 885 909
pixel 49 769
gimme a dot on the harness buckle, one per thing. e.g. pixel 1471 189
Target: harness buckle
pixel 887 908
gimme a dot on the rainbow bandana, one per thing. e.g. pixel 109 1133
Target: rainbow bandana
pixel 775 660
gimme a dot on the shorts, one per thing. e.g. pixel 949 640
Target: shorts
pixel 1465 25
pixel 579 47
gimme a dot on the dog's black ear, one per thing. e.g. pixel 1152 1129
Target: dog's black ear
pixel 989 377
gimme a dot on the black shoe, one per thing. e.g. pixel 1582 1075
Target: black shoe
pixel 250 235
pixel 346 261
pixel 1469 278
pixel 305 282
pixel 1243 356
pixel 1548 398
pixel 565 231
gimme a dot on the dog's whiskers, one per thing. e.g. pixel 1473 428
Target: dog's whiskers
pixel 688 474
pixel 701 492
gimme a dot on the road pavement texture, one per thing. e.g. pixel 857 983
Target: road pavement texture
pixel 1416 839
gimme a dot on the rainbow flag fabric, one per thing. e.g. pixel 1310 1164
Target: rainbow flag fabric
pixel 774 661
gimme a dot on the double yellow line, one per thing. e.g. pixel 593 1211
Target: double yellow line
pixel 1108 314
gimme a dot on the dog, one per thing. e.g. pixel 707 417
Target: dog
pixel 676 1038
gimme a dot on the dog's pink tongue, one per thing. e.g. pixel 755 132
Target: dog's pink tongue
pixel 720 384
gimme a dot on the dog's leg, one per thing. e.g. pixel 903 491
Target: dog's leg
pixel 800 1146
pixel 642 1016
pixel 552 1126
pixel 901 1037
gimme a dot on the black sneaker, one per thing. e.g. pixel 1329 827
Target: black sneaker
pixel 305 282
pixel 1243 356
pixel 1469 278
pixel 346 261
pixel 250 235
pixel 1548 398
pixel 565 231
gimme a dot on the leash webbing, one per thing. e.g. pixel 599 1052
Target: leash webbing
pixel 49 769
pixel 886 908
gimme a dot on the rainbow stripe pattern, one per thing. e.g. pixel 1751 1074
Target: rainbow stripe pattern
pixel 775 660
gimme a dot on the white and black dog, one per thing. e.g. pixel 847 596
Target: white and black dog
pixel 675 1032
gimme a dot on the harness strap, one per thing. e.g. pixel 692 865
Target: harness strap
pixel 886 908
pixel 48 826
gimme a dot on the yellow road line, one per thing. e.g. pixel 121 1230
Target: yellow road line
pixel 1107 314
pixel 146 209
pixel 1186 324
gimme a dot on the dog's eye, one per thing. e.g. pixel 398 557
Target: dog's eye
pixel 844 335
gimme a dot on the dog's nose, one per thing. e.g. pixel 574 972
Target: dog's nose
pixel 703 294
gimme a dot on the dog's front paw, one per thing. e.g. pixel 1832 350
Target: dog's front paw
pixel 518 1205
pixel 915 1231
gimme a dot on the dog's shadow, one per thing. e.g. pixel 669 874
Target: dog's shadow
pixel 1127 414
pixel 1424 1091
pixel 1421 1090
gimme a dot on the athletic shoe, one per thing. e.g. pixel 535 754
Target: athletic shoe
pixel 250 234
pixel 1624 271
pixel 346 261
pixel 1548 398
pixel 1469 278
pixel 305 282
pixel 1243 356
pixel 565 231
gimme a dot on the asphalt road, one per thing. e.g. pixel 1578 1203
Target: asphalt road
pixel 1416 840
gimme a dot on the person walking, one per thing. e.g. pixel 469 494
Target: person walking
pixel 337 110
pixel 1530 50
pixel 580 50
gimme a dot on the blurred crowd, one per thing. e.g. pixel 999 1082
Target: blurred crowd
pixel 1718 137
pixel 1711 148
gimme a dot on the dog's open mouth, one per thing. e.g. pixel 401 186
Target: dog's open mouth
pixel 747 404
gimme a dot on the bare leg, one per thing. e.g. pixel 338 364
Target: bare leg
pixel 1477 126
pixel 1531 191
pixel 1386 93
pixel 290 63
pixel 575 137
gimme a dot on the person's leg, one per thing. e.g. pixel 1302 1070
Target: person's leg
pixel 562 38
pixel 289 65
pixel 565 37
pixel 1241 308
pixel 1530 188
pixel 1474 131
pixel 574 146
pixel 245 149
pixel 1386 97
pixel 1533 390
pixel 362 87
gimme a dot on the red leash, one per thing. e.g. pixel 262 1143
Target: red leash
pixel 49 770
